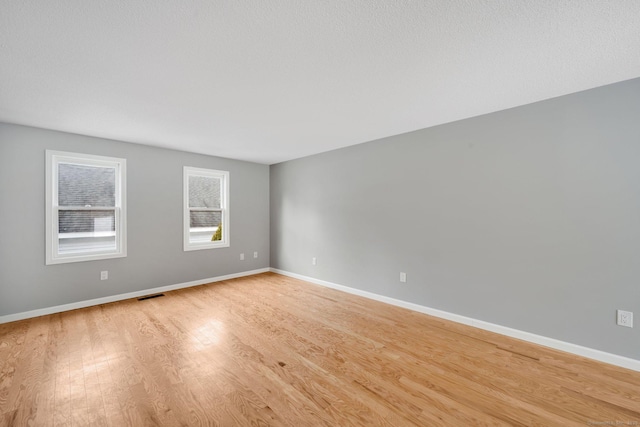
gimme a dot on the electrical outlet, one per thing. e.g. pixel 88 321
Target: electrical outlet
pixel 314 261
pixel 241 257
pixel 403 277
pixel 255 254
pixel 104 275
pixel 625 318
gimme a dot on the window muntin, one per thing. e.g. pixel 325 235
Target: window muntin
pixel 206 208
pixel 85 207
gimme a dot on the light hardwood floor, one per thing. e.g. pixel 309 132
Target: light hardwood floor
pixel 271 350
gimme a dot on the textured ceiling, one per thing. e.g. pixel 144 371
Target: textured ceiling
pixel 272 80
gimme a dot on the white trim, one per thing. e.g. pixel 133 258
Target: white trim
pixel 223 176
pixel 53 159
pixel 579 350
pixel 104 300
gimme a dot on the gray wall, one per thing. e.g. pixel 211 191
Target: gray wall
pixel 527 218
pixel 155 256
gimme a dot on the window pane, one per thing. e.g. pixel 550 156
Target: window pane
pixel 82 185
pixel 204 192
pixel 86 231
pixel 203 226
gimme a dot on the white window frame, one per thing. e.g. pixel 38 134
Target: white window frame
pixel 224 208
pixel 55 158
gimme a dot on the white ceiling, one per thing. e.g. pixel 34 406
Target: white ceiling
pixel 272 80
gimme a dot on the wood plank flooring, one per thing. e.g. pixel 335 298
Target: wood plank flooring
pixel 272 350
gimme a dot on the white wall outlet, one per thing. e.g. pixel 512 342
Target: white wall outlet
pixel 625 318
pixel 255 254
pixel 403 277
pixel 314 261
pixel 104 275
pixel 241 257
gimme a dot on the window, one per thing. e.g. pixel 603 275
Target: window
pixel 206 209
pixel 85 207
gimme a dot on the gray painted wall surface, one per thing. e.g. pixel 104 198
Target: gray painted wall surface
pixel 155 256
pixel 527 218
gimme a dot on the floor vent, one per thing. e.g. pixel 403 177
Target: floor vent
pixel 150 296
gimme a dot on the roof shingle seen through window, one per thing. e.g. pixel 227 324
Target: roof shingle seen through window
pixel 80 185
pixel 204 192
pixel 205 219
pixel 85 221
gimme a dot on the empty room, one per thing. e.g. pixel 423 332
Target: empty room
pixel 320 213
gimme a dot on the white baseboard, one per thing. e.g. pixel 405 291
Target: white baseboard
pixel 579 350
pixel 590 353
pixel 120 297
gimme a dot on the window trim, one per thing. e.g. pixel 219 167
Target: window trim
pixel 53 159
pixel 224 207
